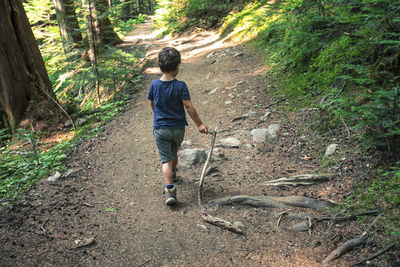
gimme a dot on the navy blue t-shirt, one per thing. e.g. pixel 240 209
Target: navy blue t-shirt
pixel 168 107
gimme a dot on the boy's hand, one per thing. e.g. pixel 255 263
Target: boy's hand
pixel 203 129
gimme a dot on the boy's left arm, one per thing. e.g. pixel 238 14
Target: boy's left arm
pixel 152 105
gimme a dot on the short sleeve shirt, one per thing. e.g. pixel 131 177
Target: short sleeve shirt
pixel 167 96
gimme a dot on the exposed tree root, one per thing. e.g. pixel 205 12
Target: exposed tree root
pixel 273 202
pixel 349 244
pixel 302 179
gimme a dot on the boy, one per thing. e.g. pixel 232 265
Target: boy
pixel 168 97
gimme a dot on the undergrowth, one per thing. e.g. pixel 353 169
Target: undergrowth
pixel 24 158
pixel 177 16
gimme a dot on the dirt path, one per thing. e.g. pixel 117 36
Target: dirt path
pixel 116 194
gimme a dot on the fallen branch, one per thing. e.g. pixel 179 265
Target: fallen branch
pixel 336 218
pixel 273 202
pixel 375 255
pixel 349 244
pixel 302 179
pixel 206 217
pixel 221 223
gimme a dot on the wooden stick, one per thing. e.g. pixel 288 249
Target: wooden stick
pixel 375 255
pixel 349 244
pixel 206 217
pixel 203 173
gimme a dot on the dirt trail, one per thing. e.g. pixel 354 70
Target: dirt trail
pixel 116 194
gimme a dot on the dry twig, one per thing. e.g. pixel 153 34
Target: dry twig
pixel 349 244
pixel 375 255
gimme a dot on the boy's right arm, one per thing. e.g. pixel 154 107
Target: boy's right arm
pixel 195 117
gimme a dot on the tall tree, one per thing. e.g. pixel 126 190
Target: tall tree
pixel 68 23
pixel 23 76
pixel 97 23
pixel 139 6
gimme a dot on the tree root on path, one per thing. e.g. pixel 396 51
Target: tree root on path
pixel 349 244
pixel 273 202
pixel 302 179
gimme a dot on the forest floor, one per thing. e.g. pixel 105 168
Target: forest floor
pixel 110 211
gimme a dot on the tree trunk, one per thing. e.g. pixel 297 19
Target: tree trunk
pixel 139 6
pixel 68 23
pixel 102 28
pixel 23 76
pixel 126 10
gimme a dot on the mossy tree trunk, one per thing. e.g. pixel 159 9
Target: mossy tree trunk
pixel 23 76
pixel 68 24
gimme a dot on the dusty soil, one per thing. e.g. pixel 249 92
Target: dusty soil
pixel 114 198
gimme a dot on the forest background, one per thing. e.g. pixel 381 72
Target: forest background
pixel 338 56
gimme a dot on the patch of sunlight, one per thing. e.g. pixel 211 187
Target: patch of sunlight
pixel 58 138
pixel 153 70
pixel 247 24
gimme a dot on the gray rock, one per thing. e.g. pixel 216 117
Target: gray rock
pixel 68 123
pixel 191 157
pixel 186 143
pixel 213 91
pixel 301 226
pixel 230 142
pixel 217 155
pixel 54 177
pixel 330 150
pixel 228 102
pixel 272 132
pixel 239 224
pixel 259 135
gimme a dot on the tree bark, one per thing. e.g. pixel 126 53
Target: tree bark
pixel 68 23
pixel 23 76
pixel 103 32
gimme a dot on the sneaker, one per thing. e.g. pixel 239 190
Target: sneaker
pixel 170 190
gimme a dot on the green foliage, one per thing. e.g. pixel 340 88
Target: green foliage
pixel 177 16
pixel 24 162
pixel 24 159
pixel 383 193
pixel 347 51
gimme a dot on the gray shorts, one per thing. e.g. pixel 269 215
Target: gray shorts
pixel 168 142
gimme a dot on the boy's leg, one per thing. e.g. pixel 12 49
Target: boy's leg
pixel 175 161
pixel 167 168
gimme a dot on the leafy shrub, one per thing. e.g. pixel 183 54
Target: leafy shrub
pixel 178 15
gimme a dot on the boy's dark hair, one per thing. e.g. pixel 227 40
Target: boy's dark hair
pixel 168 59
